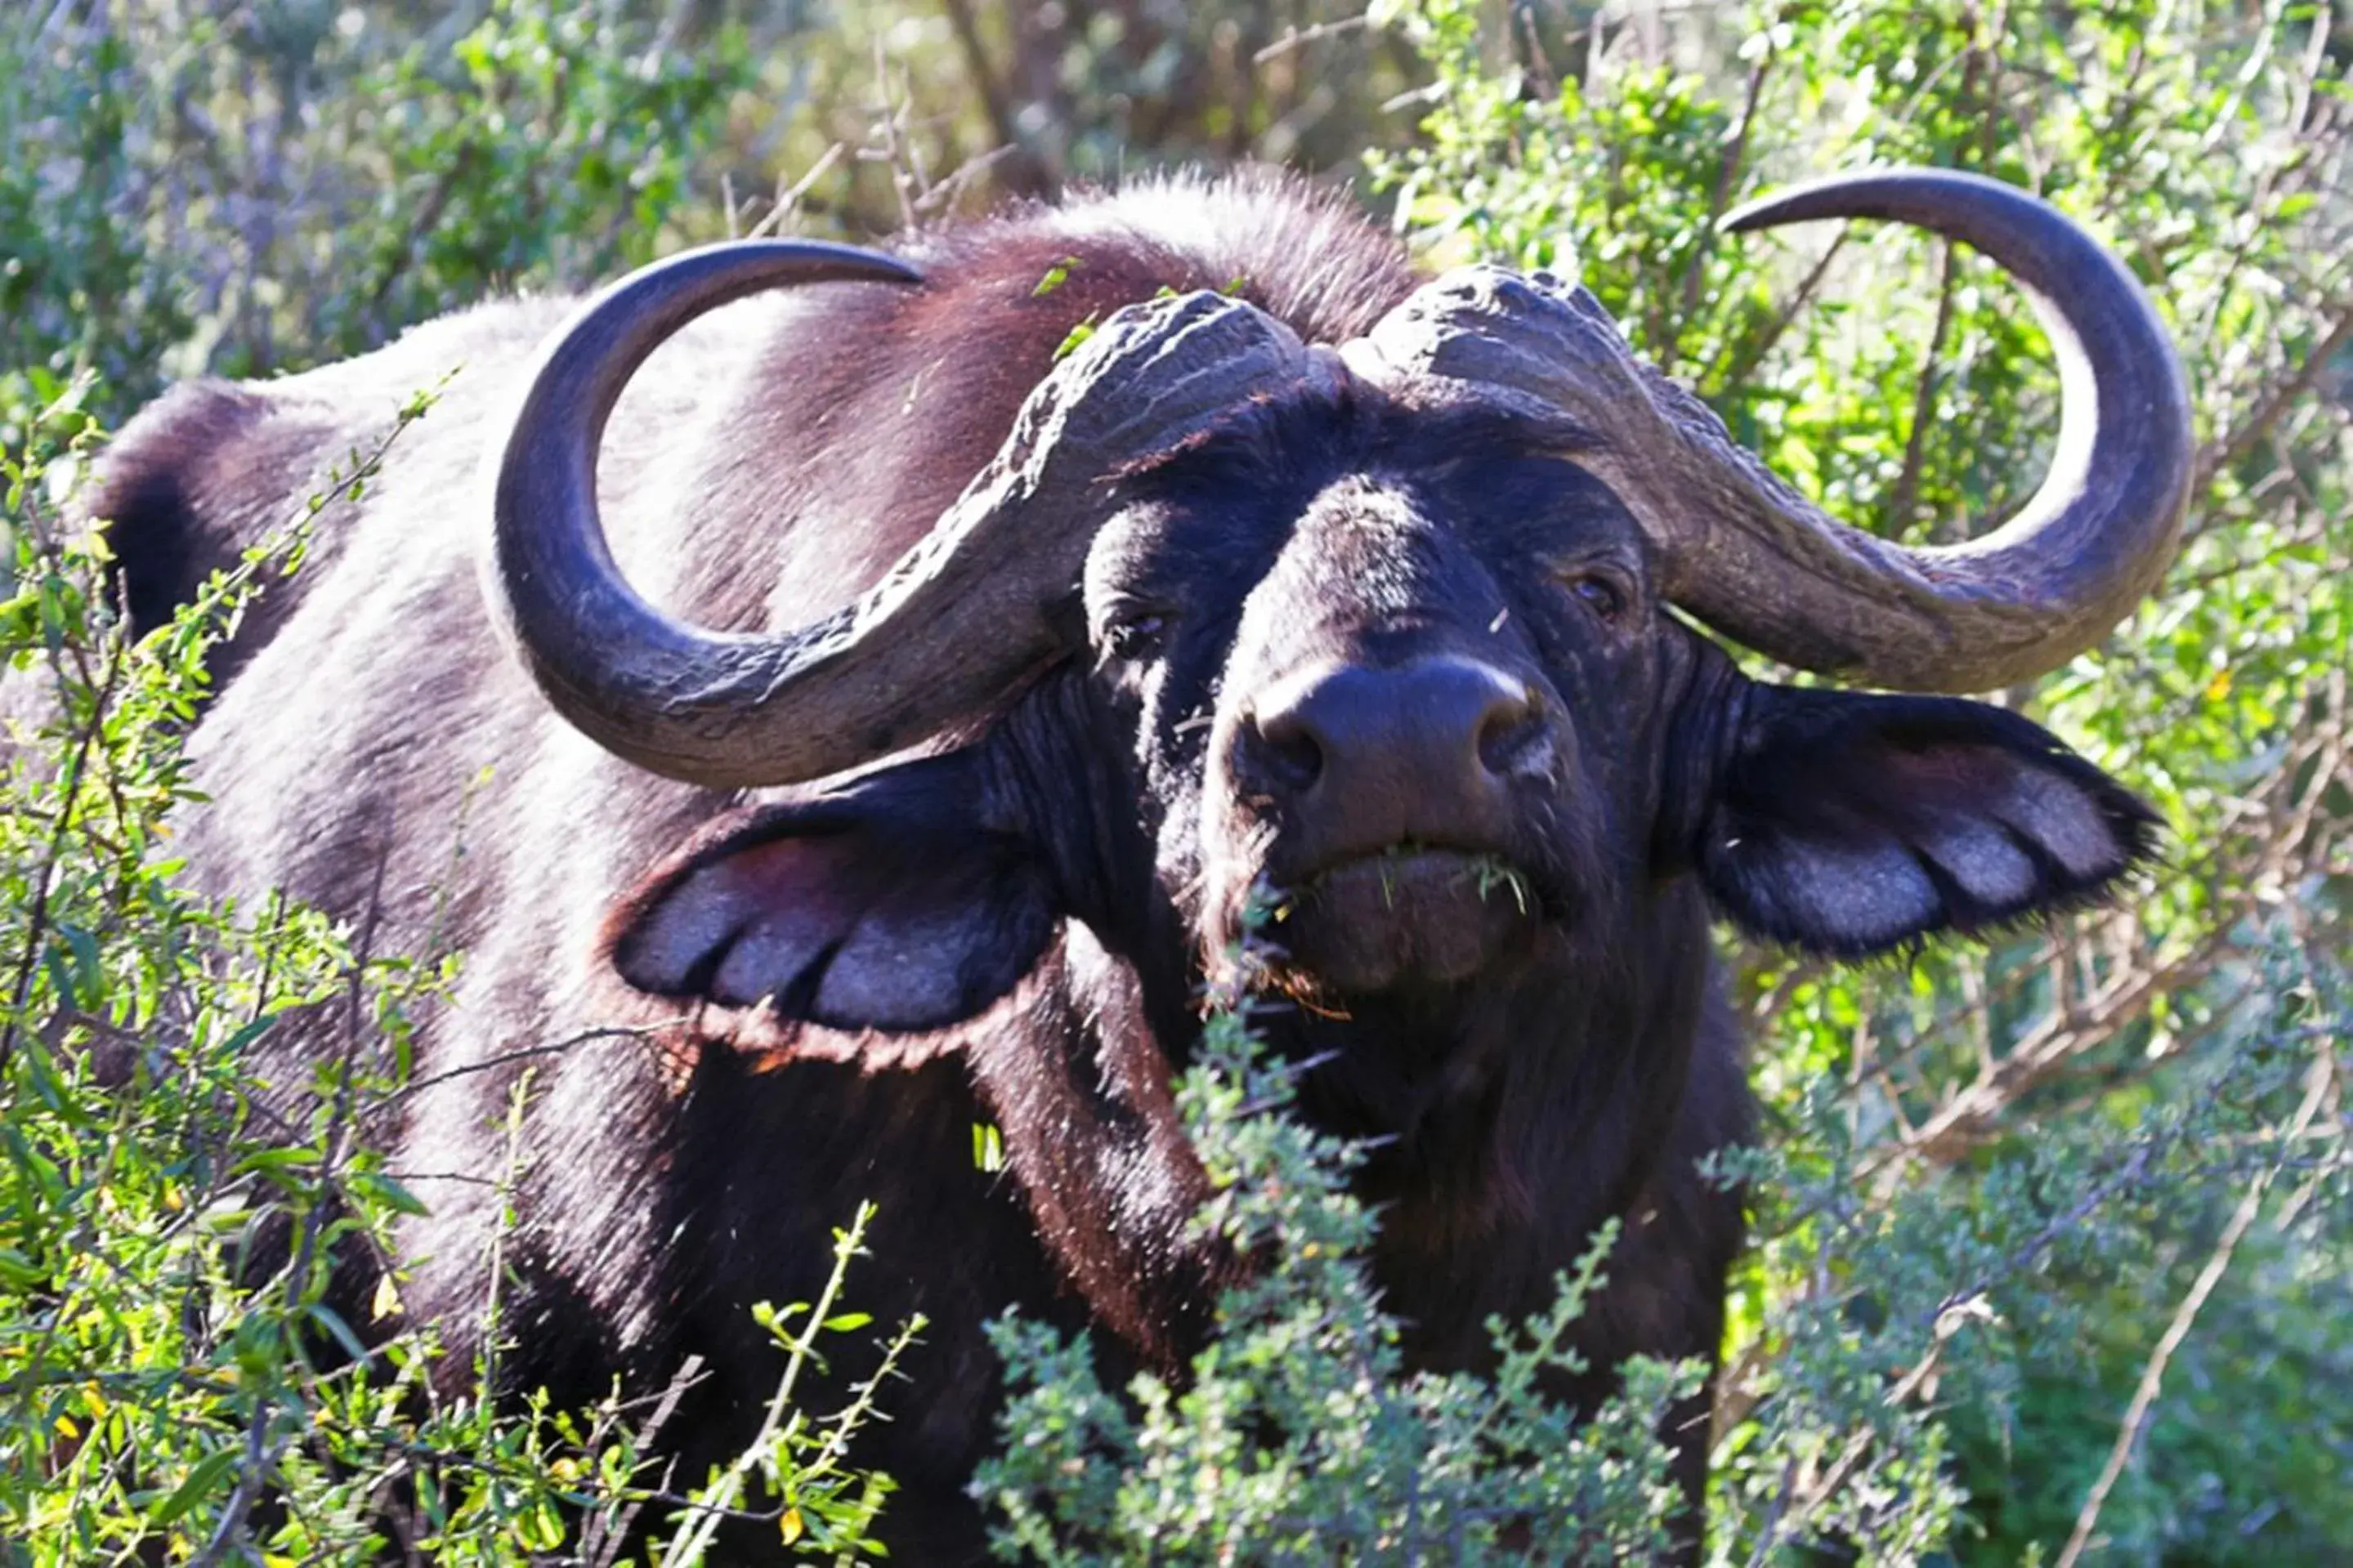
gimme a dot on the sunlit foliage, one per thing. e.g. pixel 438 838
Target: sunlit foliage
pixel 2054 1253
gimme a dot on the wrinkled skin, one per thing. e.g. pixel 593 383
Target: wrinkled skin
pixel 1399 676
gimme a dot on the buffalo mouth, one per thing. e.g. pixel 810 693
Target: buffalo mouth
pixel 1409 915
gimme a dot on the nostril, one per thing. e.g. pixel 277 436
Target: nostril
pixel 1512 733
pixel 1286 752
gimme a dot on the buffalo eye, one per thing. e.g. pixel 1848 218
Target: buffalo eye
pixel 1136 634
pixel 1598 593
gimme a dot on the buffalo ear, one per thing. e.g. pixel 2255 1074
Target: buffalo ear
pixel 1847 824
pixel 887 905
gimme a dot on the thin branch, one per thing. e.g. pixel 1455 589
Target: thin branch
pixel 1727 175
pixel 460 165
pixel 1732 367
pixel 788 198
pixel 2152 1377
pixel 2227 449
pixel 519 1054
pixel 599 1545
pixel 37 922
pixel 1298 37
pixel 1905 497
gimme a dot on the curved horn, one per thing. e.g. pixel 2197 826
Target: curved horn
pixel 949 626
pixel 1759 562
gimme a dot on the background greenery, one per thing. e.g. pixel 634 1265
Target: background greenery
pixel 2055 1253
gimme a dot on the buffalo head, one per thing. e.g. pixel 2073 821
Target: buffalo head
pixel 1377 636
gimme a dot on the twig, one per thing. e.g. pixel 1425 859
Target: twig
pixel 2228 448
pixel 1297 38
pixel 599 1546
pixel 727 1489
pixel 788 198
pixel 1924 396
pixel 37 922
pixel 427 215
pixel 1735 371
pixel 2152 1376
pixel 945 194
pixel 260 1454
pixel 248 1491
pixel 1727 173
pixel 520 1054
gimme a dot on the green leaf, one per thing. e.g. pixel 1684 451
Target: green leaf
pixel 203 1476
pixel 327 1318
pixel 540 1527
pixel 1073 338
pixel 377 1187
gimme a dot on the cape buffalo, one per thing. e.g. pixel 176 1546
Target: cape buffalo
pixel 1301 577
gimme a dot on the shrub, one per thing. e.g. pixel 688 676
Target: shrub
pixel 176 1374
pixel 2054 1253
pixel 1997 1180
pixel 1300 1435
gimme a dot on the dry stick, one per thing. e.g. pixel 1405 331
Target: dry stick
pixel 787 201
pixel 36 923
pixel 599 1545
pixel 1727 173
pixel 895 152
pixel 1923 395
pixel 592 1035
pixel 1295 37
pixel 1953 1310
pixel 1731 367
pixel 1955 1125
pixel 2094 1019
pixel 1737 1400
pixel 2086 1023
pixel 945 194
pixel 261 1454
pixel 2228 448
pixel 2213 870
pixel 102 689
pixel 1954 1128
pixel 1843 1467
pixel 1772 1532
pixel 1544 77
pixel 2257 202
pixel 49 23
pixel 2302 539
pixel 2266 40
pixel 2153 1376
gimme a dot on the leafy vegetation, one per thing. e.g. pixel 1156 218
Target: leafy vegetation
pixel 174 1374
pixel 2005 1188
pixel 2054 1249
pixel 1301 1436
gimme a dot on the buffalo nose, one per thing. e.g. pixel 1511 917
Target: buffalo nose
pixel 1438 724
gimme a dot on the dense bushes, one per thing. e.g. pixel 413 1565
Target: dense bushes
pixel 2054 1232
pixel 1997 1177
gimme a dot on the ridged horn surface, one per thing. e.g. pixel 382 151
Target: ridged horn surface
pixel 1754 558
pixel 949 628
